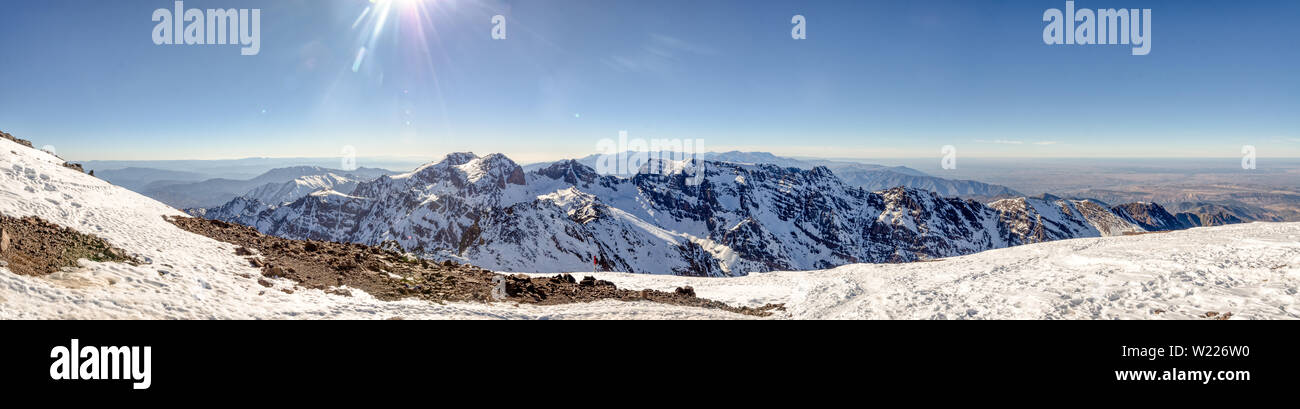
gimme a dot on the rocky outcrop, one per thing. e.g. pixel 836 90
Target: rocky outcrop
pixel 22 142
pixel 1148 216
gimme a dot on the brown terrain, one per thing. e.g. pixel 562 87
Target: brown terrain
pixel 389 275
pixel 31 246
pixel 1210 204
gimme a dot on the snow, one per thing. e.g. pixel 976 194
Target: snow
pixel 275 194
pixel 1251 270
pixel 189 277
pixel 331 192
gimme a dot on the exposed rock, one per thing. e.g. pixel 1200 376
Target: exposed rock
pixel 32 246
pixel 1201 220
pixel 403 277
pixel 272 271
pixel 1149 216
pixel 1215 315
pixel 22 142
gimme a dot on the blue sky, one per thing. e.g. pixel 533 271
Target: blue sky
pixel 873 79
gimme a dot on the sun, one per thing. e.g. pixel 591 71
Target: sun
pixel 410 19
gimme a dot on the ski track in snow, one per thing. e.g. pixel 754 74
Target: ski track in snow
pixel 1251 270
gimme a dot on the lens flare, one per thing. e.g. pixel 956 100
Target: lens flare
pixel 396 42
pixel 411 16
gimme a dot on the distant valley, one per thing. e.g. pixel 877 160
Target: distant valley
pixel 187 192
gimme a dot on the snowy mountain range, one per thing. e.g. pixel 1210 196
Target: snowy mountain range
pixel 275 194
pixel 1251 270
pixel 739 219
pixel 183 194
pixel 863 175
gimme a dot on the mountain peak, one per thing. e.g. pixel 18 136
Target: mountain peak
pixel 458 158
pixel 496 166
pixel 453 159
pixel 570 171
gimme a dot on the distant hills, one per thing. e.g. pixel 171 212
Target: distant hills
pixel 185 192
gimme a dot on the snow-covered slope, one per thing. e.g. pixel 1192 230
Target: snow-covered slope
pixel 1250 270
pixel 281 193
pixel 245 208
pixel 187 276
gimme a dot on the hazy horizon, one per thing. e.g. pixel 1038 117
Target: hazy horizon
pixel 439 156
